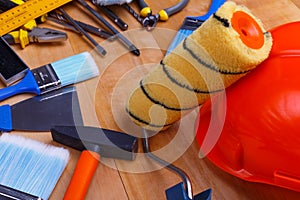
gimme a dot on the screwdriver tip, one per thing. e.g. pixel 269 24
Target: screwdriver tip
pixel 136 52
pixel 101 50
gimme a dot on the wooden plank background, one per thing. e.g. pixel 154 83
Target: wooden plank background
pixel 102 100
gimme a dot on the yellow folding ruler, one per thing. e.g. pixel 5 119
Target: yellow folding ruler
pixel 25 12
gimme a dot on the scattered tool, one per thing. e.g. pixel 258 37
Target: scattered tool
pixel 99 48
pixel 29 169
pixel 177 192
pixel 93 142
pixel 59 19
pixel 40 113
pixel 38 35
pixel 116 19
pixel 163 15
pixel 192 23
pixel 181 191
pixel 121 37
pixel 53 76
pixel 110 2
pixel 12 67
pixel 133 13
pixel 29 10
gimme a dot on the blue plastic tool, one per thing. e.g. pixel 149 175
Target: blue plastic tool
pixel 177 192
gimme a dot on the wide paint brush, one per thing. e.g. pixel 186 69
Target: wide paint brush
pixel 52 76
pixel 29 169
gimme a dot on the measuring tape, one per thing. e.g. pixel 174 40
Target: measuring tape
pixel 32 9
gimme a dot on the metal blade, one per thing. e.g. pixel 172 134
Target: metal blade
pixel 41 113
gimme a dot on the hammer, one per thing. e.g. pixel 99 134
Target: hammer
pixel 93 142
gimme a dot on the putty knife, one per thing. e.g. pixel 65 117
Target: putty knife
pixel 40 113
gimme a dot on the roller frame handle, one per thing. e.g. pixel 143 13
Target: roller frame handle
pixel 5 118
pixel 27 85
pixel 82 176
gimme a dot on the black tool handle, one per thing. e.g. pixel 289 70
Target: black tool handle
pixel 133 13
pixel 116 19
pixel 142 4
pixel 95 30
pixel 99 48
pixel 121 37
pixel 113 144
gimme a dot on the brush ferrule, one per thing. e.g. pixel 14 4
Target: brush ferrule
pixel 191 24
pixel 46 78
pixel 13 194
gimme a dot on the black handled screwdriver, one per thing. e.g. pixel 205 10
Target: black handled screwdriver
pixel 100 49
pixel 116 19
pixel 121 37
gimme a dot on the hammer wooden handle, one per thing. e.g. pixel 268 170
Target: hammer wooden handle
pixel 82 176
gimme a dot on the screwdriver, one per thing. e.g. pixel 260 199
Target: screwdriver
pixel 117 20
pixel 121 37
pixel 99 48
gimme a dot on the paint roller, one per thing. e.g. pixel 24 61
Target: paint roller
pixel 226 47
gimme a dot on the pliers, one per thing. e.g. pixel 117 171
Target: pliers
pixel 39 35
pixel 163 15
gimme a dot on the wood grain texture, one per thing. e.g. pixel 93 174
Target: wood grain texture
pixel 103 98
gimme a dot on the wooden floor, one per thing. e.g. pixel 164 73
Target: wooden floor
pixel 103 98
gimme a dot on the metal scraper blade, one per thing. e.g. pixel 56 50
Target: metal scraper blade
pixel 41 113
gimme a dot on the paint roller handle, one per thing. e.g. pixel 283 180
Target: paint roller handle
pixel 82 176
pixel 26 85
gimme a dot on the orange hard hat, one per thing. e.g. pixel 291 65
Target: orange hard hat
pixel 258 138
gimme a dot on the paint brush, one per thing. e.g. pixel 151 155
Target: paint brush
pixel 29 169
pixel 58 74
pixel 192 23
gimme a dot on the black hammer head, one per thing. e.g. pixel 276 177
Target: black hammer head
pixel 107 143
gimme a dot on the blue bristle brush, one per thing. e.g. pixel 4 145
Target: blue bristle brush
pixel 29 169
pixel 58 74
pixel 192 23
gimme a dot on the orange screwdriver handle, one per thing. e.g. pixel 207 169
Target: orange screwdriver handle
pixel 83 175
